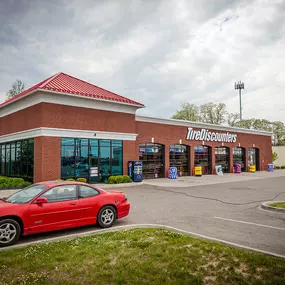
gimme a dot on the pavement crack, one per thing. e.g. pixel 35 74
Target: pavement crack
pixel 215 199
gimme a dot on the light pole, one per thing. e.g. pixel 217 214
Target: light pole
pixel 239 85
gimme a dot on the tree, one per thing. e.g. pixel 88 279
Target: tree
pixel 278 130
pixel 263 125
pixel 246 124
pixel 232 119
pixel 188 112
pixel 17 88
pixel 274 155
pixel 213 113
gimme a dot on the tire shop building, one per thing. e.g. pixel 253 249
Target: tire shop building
pixel 64 127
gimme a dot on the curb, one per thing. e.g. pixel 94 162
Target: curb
pixel 143 226
pixel 265 206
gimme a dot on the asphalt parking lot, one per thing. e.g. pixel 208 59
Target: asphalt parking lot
pixel 228 211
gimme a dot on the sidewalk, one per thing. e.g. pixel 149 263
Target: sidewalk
pixel 186 181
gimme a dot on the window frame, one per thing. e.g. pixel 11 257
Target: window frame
pixel 79 192
pixel 62 185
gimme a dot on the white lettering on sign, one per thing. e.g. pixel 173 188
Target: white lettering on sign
pixel 205 135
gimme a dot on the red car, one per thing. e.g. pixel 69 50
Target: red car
pixel 50 206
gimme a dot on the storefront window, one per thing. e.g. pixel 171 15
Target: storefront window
pixel 105 157
pixel 82 162
pixel 67 158
pixel 13 154
pixel 179 158
pixel 203 158
pixel 117 154
pixel 17 159
pixel 3 159
pixel 93 159
pixel 152 156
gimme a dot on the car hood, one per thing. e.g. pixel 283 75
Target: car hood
pixel 4 206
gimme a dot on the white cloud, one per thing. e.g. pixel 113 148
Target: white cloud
pixel 158 52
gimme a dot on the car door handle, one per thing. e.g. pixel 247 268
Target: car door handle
pixel 72 203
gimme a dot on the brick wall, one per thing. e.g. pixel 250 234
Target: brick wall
pixel 25 119
pixel 47 158
pixel 167 135
pixel 68 117
pixel 47 149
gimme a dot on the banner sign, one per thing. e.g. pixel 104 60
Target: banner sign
pixel 205 135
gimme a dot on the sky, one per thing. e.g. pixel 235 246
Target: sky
pixel 160 53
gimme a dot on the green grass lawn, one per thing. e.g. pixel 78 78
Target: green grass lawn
pixel 141 256
pixel 278 205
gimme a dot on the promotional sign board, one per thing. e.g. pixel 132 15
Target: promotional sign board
pixel 93 171
pixel 206 135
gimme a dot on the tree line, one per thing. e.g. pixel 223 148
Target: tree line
pixel 212 113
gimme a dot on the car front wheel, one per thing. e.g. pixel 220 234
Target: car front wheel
pixel 107 216
pixel 10 232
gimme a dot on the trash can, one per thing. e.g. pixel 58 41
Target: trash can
pixel 252 168
pixel 270 167
pixel 172 173
pixel 237 168
pixel 198 170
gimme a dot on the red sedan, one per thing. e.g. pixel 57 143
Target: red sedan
pixel 50 206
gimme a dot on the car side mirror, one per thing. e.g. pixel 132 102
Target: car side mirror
pixel 41 200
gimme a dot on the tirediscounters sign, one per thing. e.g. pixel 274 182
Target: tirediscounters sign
pixel 205 135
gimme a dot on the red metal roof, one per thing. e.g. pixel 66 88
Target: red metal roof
pixel 64 83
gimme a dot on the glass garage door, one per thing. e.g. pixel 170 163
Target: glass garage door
pixel 222 158
pixel 203 158
pixel 239 157
pixel 179 158
pixel 152 156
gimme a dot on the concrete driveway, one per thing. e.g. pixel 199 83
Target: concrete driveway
pixel 216 208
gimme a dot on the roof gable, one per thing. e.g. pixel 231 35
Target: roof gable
pixel 64 83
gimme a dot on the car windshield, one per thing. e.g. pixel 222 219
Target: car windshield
pixel 26 195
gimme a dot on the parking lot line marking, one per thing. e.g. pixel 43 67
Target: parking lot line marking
pixel 249 223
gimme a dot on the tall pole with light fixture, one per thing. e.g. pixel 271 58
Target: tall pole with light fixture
pixel 239 85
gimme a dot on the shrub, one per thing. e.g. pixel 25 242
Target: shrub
pixel 3 180
pixel 26 184
pixel 69 179
pixel 274 155
pixel 278 167
pixel 119 179
pixel 112 180
pixel 84 180
pixel 13 183
pixel 283 167
pixel 4 186
pixel 127 179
